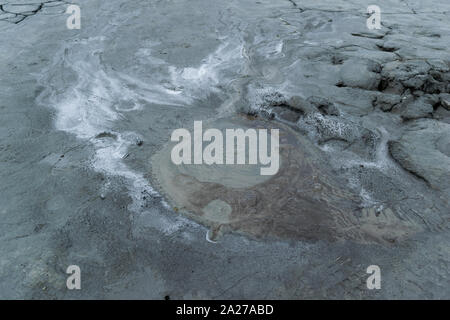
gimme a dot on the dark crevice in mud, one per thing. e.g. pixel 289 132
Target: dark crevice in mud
pixel 415 174
pixel 336 60
pixel 382 85
pixel 368 35
pixel 387 49
pixel 276 106
pixel 409 7
pixel 338 139
pixel 293 3
pixel 106 135
pixel 406 121
pixel 285 105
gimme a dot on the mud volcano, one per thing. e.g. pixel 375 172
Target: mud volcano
pixel 304 200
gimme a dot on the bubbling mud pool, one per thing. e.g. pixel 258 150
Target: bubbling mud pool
pixel 304 200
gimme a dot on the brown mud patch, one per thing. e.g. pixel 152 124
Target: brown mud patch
pixel 305 200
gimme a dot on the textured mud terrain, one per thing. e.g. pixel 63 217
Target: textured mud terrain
pixel 86 119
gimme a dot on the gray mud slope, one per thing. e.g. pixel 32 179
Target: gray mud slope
pixel 84 111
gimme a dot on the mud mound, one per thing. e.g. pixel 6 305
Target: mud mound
pixel 304 200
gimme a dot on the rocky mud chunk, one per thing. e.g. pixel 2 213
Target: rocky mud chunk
pixel 273 99
pixel 318 118
pixel 419 75
pixel 442 114
pixel 291 110
pixel 389 46
pixel 324 106
pixel 286 114
pixel 331 130
pixel 276 105
pixel 301 105
pixel 445 100
pixel 416 108
pixel 358 73
pixel 387 101
pixel 311 105
pixel 424 150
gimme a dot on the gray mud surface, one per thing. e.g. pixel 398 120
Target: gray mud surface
pixel 86 118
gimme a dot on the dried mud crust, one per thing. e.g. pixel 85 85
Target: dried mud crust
pixel 16 11
pixel 302 201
